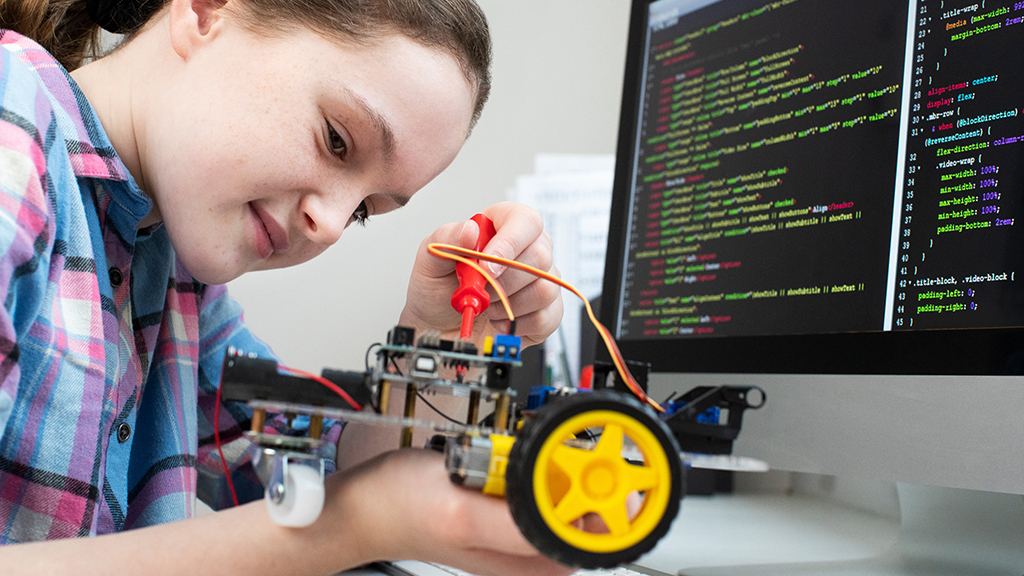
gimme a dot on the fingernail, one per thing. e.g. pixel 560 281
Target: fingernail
pixel 465 229
pixel 495 268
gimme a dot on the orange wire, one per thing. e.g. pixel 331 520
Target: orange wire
pixel 436 248
pixel 617 358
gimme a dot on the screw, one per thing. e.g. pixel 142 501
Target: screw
pixel 277 492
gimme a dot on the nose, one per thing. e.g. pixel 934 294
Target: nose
pixel 325 217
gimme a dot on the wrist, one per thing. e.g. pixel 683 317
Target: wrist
pixel 357 516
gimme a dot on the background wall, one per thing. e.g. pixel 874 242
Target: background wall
pixel 558 69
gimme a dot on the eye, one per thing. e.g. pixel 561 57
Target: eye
pixel 361 215
pixel 336 143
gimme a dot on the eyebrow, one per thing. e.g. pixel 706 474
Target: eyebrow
pixel 383 128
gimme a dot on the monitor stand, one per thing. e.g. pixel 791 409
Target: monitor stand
pixel 943 531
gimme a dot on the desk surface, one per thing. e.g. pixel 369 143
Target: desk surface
pixel 737 530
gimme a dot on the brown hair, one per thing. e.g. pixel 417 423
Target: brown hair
pixel 63 27
pixel 458 27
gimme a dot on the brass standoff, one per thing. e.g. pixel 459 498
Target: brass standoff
pixel 473 410
pixel 501 412
pixel 384 396
pixel 316 426
pixel 410 412
pixel 259 420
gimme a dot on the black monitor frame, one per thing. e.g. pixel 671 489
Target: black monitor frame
pixel 995 351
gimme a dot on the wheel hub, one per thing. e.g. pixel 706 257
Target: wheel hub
pixel 599 481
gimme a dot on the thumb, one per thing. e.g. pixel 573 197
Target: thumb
pixel 468 235
pixel 468 239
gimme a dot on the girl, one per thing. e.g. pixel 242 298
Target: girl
pixel 220 137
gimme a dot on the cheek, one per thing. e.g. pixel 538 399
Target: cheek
pixel 214 139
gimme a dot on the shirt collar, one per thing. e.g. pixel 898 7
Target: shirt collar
pixel 89 148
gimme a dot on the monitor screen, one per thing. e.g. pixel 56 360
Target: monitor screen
pixel 811 186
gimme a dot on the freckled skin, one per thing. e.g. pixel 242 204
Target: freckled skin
pixel 234 119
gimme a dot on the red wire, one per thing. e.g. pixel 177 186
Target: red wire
pixel 216 440
pixel 216 419
pixel 330 385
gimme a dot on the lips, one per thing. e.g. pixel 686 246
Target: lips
pixel 270 236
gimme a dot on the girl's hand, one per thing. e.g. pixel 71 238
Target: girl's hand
pixel 405 507
pixel 536 303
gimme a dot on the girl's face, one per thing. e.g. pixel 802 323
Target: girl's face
pixel 267 148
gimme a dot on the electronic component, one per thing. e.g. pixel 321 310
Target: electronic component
pixel 401 336
pixel 707 419
pixel 589 450
pixel 507 347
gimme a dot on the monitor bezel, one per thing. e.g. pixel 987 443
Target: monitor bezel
pixel 962 352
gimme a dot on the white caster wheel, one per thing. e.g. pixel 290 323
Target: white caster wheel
pixel 296 497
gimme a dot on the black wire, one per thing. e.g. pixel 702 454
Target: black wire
pixel 442 414
pixel 366 359
pixel 395 365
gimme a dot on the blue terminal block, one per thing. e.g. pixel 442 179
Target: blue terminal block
pixel 539 396
pixel 712 415
pixel 507 347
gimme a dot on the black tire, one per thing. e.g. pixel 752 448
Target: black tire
pixel 520 488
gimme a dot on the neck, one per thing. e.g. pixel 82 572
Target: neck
pixel 116 87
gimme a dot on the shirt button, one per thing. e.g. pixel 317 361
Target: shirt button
pixel 115 277
pixel 123 432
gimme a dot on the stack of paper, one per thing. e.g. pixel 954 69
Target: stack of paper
pixel 573 193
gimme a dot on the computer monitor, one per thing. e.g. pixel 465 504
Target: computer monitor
pixel 821 198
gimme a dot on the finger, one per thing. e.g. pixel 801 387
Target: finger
pixel 518 227
pixel 535 296
pixel 462 234
pixel 538 255
pixel 535 327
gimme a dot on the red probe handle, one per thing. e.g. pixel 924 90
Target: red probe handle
pixel 470 298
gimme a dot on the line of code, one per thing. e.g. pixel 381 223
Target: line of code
pixel 766 133
pixel 960 235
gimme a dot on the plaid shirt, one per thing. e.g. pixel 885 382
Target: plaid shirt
pixel 110 352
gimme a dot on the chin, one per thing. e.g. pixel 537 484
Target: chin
pixel 209 273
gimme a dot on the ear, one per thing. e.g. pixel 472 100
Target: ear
pixel 194 23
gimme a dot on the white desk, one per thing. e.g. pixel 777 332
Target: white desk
pixel 739 530
pixel 942 532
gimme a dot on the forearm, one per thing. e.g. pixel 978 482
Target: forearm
pixel 241 540
pixel 400 505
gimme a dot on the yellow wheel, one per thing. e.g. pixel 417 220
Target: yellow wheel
pixel 594 480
